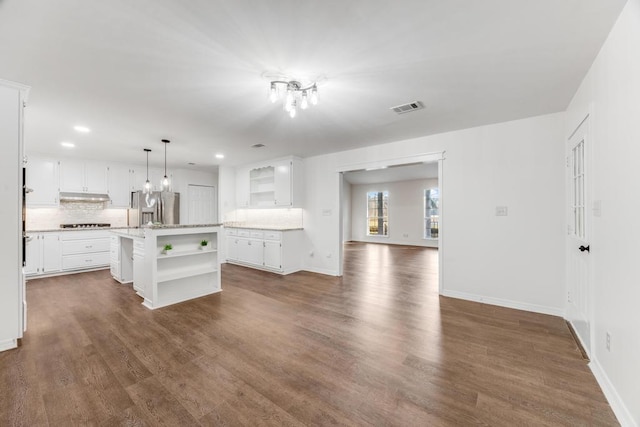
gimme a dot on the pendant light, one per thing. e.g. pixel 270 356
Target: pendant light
pixel 147 184
pixel 165 180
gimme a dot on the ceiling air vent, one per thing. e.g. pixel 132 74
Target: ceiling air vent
pixel 257 145
pixel 407 108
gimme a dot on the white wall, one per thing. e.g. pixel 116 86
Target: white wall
pixel 517 260
pixel 406 212
pixel 227 191
pixel 611 90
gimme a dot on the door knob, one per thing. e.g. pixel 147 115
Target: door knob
pixel 584 248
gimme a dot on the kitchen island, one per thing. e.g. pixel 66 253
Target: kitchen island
pixel 189 270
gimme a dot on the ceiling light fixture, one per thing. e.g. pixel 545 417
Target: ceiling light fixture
pixel 219 156
pixel 294 95
pixel 82 129
pixel 67 144
pixel 165 180
pixel 147 184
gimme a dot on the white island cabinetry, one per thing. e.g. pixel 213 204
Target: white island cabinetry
pixel 188 271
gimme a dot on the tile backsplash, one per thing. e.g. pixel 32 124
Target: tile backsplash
pixel 286 218
pixel 74 213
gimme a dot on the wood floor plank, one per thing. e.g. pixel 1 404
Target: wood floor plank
pixel 377 346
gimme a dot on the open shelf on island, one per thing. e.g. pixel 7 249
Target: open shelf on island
pixel 176 253
pixel 187 271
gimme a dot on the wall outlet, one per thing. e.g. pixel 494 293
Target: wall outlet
pixel 502 211
pixel 405 234
pixel 608 341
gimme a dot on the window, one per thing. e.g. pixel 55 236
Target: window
pixel 578 193
pixel 377 213
pixel 431 213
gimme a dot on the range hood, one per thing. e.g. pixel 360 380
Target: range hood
pixel 83 197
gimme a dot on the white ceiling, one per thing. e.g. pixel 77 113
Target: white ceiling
pixel 192 71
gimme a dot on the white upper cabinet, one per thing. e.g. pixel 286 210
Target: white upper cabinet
pixel 77 176
pixel 43 180
pixel 119 183
pixel 276 183
pixel 283 186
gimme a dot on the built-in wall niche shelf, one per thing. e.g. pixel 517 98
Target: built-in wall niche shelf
pixel 270 184
pixel 262 186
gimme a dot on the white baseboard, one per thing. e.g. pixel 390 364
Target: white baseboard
pixel 619 408
pixel 505 303
pixel 8 344
pixel 324 271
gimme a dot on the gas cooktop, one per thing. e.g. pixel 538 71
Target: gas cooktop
pixel 91 225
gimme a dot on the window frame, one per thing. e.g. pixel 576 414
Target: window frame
pixel 385 218
pixel 427 230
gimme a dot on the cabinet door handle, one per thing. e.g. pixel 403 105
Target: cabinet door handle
pixel 88 247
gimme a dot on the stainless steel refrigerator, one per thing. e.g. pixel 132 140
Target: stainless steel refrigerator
pixel 158 207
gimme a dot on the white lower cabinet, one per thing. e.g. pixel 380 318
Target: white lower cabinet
pixel 278 251
pixel 85 249
pixel 273 254
pixel 43 254
pixel 140 275
pixel 121 259
pixel 51 252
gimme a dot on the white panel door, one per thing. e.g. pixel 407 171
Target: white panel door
pixel 43 178
pixel 273 254
pixel 119 186
pixel 33 254
pixel 578 250
pixel 95 175
pixel 282 184
pixel 51 255
pixel 72 176
pixel 202 204
pixel 232 248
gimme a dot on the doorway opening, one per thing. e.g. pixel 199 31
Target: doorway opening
pixel 393 202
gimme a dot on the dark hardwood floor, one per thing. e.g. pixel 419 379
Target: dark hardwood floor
pixel 375 347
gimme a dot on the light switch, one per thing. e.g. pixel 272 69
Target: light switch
pixel 597 208
pixel 502 211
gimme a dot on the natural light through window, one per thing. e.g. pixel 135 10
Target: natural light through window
pixel 377 213
pixel 431 213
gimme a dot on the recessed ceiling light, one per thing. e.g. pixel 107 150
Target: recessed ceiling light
pixel 82 129
pixel 67 144
pixel 219 156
